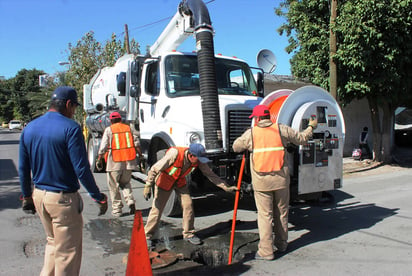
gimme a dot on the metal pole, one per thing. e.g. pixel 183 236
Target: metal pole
pixel 232 235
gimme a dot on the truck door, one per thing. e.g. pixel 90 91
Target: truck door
pixel 148 99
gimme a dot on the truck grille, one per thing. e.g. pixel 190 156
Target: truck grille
pixel 238 122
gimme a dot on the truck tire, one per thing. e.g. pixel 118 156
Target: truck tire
pixel 173 206
pixel 92 154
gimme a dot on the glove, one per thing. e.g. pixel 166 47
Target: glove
pixel 313 122
pixel 229 189
pixel 28 205
pixel 99 164
pixel 147 191
pixel 102 205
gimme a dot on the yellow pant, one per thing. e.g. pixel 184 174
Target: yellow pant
pixel 61 215
pixel 159 202
pixel 116 181
pixel 273 209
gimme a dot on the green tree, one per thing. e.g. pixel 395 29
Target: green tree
pixel 374 55
pixel 88 56
pixel 6 104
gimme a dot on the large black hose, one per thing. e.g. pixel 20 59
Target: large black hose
pixel 207 72
pixel 208 90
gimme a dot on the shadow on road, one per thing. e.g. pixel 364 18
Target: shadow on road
pixel 9 185
pixel 326 222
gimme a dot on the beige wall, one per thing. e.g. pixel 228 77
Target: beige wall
pixel 357 116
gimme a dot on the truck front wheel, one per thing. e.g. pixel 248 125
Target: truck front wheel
pixel 173 206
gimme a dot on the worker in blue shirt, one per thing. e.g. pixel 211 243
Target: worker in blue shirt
pixel 53 156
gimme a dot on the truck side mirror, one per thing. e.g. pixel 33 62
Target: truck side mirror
pixel 260 84
pixel 135 72
pixel 134 79
pixel 134 91
pixel 121 83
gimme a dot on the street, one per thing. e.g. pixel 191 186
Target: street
pixel 365 231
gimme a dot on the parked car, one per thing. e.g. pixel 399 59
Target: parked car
pixel 15 124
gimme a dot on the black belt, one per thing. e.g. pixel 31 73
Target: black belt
pixel 55 191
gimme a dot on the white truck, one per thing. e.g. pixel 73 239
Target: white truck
pixel 175 99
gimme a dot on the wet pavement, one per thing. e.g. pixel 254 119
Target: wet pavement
pixel 106 239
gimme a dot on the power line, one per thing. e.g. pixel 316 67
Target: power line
pixel 156 22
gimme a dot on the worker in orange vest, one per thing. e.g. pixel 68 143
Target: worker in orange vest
pixel 270 175
pixel 122 144
pixel 169 174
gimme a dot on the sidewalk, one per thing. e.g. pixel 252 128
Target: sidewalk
pixel 401 157
pixel 351 166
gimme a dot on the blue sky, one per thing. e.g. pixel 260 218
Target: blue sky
pixel 36 33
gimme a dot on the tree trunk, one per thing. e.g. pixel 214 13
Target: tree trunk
pixel 388 121
pixel 376 129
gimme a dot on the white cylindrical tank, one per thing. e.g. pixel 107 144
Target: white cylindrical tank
pixel 319 162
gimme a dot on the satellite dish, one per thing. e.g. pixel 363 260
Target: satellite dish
pixel 266 60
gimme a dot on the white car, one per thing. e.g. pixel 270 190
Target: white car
pixel 14 124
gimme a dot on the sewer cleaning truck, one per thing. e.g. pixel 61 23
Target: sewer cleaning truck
pixel 176 98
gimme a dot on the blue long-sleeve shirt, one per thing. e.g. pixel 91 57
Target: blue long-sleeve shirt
pixel 53 149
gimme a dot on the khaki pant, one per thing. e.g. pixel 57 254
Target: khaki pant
pixel 273 209
pixel 62 220
pixel 120 180
pixel 159 201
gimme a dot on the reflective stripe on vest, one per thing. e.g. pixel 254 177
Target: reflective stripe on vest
pixel 268 150
pixel 122 143
pixel 174 173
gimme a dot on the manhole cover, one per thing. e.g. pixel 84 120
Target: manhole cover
pixel 34 248
pixel 28 221
pixel 162 258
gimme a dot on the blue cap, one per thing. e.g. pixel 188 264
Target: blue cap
pixel 65 93
pixel 199 151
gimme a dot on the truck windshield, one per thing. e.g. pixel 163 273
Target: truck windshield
pixel 233 77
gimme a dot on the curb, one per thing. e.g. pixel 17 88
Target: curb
pixel 370 166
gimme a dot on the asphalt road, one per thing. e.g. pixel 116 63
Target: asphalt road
pixel 365 231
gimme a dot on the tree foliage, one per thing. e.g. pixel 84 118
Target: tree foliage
pixel 22 98
pixel 374 54
pixel 88 56
pixel 16 95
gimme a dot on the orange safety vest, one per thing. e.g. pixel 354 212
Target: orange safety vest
pixel 122 143
pixel 174 173
pixel 268 150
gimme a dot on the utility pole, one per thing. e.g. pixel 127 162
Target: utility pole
pixel 126 38
pixel 333 82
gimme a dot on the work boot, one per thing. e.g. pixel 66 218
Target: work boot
pixel 194 240
pixel 281 246
pixel 117 214
pixel 132 208
pixel 150 244
pixel 265 258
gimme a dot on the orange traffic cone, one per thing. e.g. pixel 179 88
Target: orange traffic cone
pixel 138 262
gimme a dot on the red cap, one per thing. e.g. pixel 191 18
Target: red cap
pixel 260 110
pixel 115 115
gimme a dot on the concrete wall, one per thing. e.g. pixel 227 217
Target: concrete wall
pixel 357 116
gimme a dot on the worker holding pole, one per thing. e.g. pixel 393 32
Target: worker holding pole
pixel 267 142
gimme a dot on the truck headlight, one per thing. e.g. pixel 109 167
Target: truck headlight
pixel 194 137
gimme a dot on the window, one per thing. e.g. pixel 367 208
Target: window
pixel 152 84
pixel 182 77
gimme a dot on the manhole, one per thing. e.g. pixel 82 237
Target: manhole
pixel 34 248
pixel 162 258
pixel 209 256
pixel 28 221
